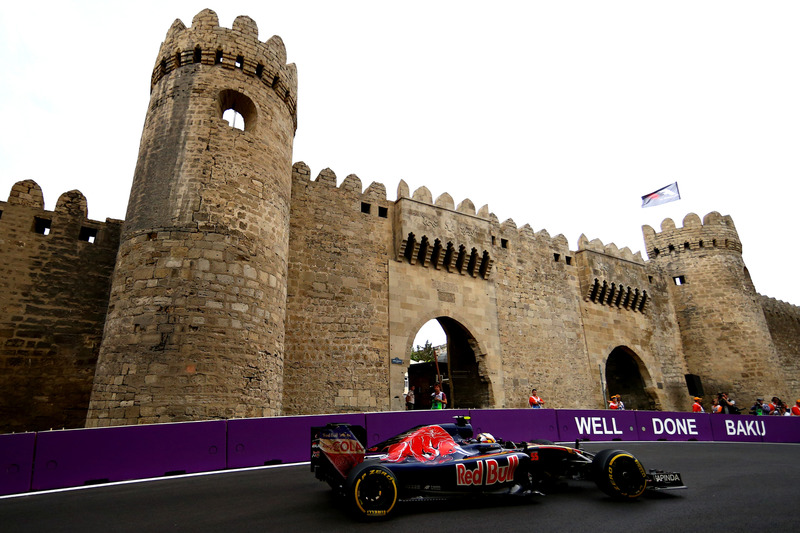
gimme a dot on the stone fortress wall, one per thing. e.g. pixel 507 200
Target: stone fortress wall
pixel 243 287
pixel 54 285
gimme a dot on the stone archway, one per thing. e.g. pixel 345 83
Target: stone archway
pixel 462 372
pixel 627 376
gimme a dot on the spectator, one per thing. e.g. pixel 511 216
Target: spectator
pixel 796 408
pixel 759 408
pixel 773 405
pixel 535 401
pixel 438 398
pixel 765 408
pixel 410 398
pixel 696 407
pixel 728 405
pixel 612 403
pixel 716 408
pixel 620 405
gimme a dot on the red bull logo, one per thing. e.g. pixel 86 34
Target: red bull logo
pixel 487 472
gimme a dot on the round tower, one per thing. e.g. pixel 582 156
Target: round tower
pixel 195 325
pixel 725 337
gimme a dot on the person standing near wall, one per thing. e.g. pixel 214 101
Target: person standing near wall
pixel 612 403
pixel 410 399
pixel 535 401
pixel 438 398
pixel 696 406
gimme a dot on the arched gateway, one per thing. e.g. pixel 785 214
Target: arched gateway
pixel 627 376
pixel 458 370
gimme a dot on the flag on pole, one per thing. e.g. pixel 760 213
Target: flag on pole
pixel 663 195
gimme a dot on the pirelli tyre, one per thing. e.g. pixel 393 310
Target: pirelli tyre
pixel 371 491
pixel 619 474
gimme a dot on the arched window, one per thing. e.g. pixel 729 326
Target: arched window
pixel 238 110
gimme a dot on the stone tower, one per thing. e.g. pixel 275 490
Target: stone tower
pixel 195 325
pixel 725 336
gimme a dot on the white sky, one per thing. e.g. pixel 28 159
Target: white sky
pixel 559 114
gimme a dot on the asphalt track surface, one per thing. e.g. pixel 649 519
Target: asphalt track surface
pixel 732 488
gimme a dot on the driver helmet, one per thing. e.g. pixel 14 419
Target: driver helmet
pixel 486 437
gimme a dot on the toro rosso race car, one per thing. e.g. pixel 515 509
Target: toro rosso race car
pixel 436 461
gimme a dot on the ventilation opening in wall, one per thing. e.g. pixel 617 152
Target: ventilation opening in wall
pixel 679 280
pixel 503 243
pixel 383 212
pixel 238 110
pixel 568 259
pixel 88 235
pixel 41 225
pixel 365 207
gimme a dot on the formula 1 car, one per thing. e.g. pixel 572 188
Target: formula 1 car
pixel 439 461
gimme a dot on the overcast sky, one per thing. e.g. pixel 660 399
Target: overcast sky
pixel 557 114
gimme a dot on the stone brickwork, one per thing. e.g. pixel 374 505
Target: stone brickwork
pixel 626 304
pixel 539 316
pixel 783 320
pixel 54 284
pixel 724 332
pixel 195 328
pixel 242 287
pixel 336 338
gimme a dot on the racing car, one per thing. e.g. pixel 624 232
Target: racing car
pixel 447 460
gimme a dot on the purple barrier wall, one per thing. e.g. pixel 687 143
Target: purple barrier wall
pixel 381 426
pixel 756 428
pixel 76 457
pixel 16 462
pixel 259 441
pixel 781 429
pixel 655 425
pixel 596 425
pixel 516 424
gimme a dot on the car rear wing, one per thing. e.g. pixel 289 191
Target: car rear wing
pixel 336 449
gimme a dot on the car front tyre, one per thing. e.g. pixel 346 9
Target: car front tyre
pixel 619 474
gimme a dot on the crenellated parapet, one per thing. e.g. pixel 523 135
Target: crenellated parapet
pixel 24 215
pixel 611 250
pixel 779 308
pixel 206 43
pixel 715 232
pixel 375 193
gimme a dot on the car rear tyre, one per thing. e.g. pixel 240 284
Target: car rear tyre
pixel 619 474
pixel 372 492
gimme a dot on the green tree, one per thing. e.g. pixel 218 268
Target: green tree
pixel 423 354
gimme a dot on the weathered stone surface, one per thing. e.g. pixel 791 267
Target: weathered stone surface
pixel 240 285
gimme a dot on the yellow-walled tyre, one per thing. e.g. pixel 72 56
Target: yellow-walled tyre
pixel 372 492
pixel 619 474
